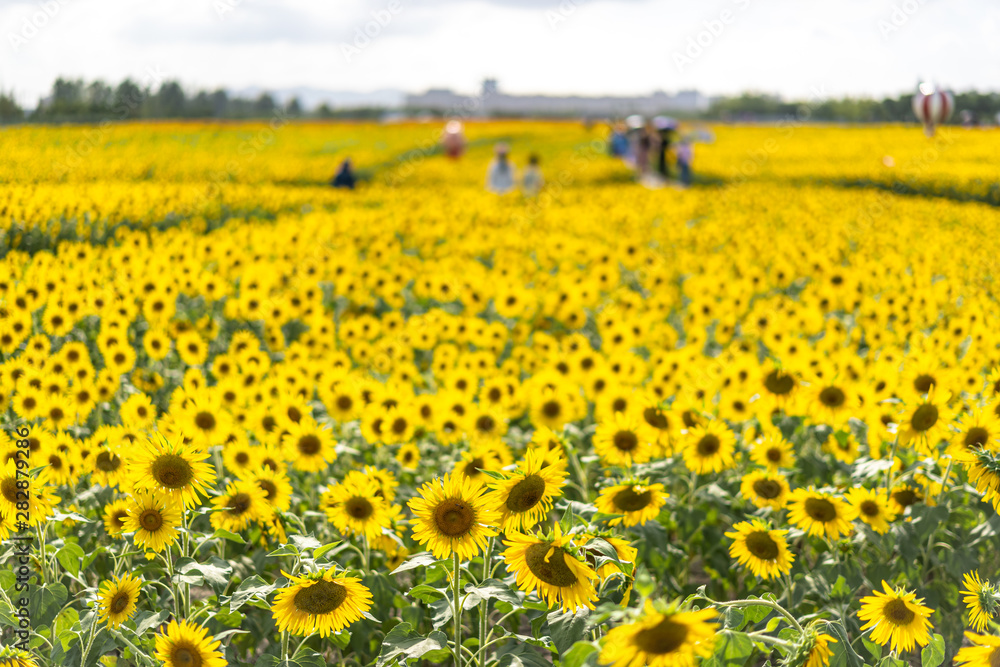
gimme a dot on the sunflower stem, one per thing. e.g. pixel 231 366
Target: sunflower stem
pixel 581 476
pixel 90 641
pixel 484 605
pixel 762 603
pixel 944 481
pixel 173 585
pixel 284 647
pixel 892 464
pixel 456 592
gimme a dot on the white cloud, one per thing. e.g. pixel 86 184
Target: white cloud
pixel 595 46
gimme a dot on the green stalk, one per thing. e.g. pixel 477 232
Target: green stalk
pixel 456 591
pixel 484 605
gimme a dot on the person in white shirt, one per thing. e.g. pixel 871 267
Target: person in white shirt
pixel 500 176
pixel 532 180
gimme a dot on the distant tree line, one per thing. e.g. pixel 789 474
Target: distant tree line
pixel 75 100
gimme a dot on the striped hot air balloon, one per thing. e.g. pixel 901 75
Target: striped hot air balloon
pixel 932 107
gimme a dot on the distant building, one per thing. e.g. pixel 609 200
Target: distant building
pixel 493 102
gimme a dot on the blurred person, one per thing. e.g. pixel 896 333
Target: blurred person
pixel 685 154
pixel 344 178
pixel 665 128
pixel 532 180
pixel 500 175
pixel 618 145
pixel 453 141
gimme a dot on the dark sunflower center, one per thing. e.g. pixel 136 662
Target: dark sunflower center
pixel 344 403
pixel 454 517
pixel 975 437
pixel 268 486
pixel 655 418
pixel 485 424
pixel 924 417
pixel 767 489
pixel 554 571
pixel 551 409
pixel 832 397
pixel 774 455
pixel 151 520
pixel 185 655
pixel 239 503
pixel 309 445
pixel 526 494
pixel 55 462
pixel 9 489
pixel 205 421
pixel 923 383
pixel 869 508
pixel 242 458
pixel 905 497
pixel 762 545
pixel 321 598
pixel 995 657
pixel 399 426
pixel 779 383
pixel 107 462
pixel 897 613
pixel 820 509
pixel 118 519
pixel 119 603
pixel 628 500
pixel 172 471
pixel 625 441
pixel 708 445
pixel 359 508
pixel 665 637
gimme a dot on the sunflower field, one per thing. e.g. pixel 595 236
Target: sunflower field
pixel 253 420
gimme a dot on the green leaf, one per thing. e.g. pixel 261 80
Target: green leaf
pixel 252 588
pixel 420 560
pixel 403 644
pixel 146 621
pixel 491 589
pixel 284 550
pixel 872 647
pixel 318 553
pixel 426 593
pixel 567 628
pixel 227 535
pixel 305 542
pixel 933 653
pixel 732 649
pixel 578 655
pixel 843 652
pixel 70 557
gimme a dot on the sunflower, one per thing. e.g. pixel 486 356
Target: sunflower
pixel 117 600
pixel 820 513
pixel 243 503
pixel 480 457
pixel 926 422
pixel 408 456
pixel 276 486
pixel 309 447
pixel 763 550
pixel 550 569
pixel 621 440
pixel 873 507
pixel 820 653
pixel 709 448
pixel 671 638
pixel 154 518
pixel 355 507
pixel 637 501
pixel 979 430
pixel 526 494
pixel 185 644
pixel 320 603
pixel 40 501
pixel 897 616
pixel 765 489
pixel 451 517
pixel 982 599
pixel 15 657
pixel 115 514
pixel 174 468
pixel 903 496
pixel 773 452
pixel 985 651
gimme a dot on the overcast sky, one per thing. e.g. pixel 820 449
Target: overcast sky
pixel 789 47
